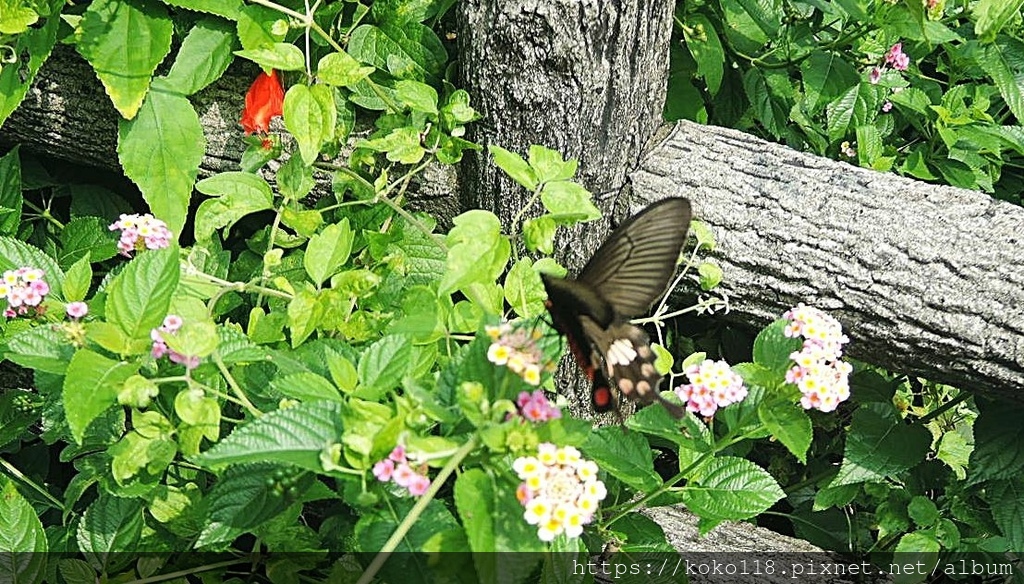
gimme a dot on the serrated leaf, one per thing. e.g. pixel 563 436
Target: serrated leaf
pixel 826 76
pixel 385 362
pixel 295 435
pixel 10 189
pixel 990 16
pixel 91 385
pixel 86 236
pixel 203 57
pixel 879 446
pixel 33 47
pixel 731 488
pixel 23 543
pixel 772 347
pixel 138 297
pixel 305 386
pixel 160 151
pixel 998 443
pixel 627 457
pixel 41 348
pixel 788 424
pixel 110 527
pixel 124 41
pixel 1006 500
pixel 239 194
pixel 227 8
pixel 477 251
pixel 1004 63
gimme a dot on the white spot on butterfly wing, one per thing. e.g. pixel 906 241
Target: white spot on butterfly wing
pixel 621 352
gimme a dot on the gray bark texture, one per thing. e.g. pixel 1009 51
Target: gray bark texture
pixel 926 279
pixel 585 77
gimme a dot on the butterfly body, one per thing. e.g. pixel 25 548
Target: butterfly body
pixel 626 275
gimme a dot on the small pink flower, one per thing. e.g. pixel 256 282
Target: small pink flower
pixel 384 469
pixel 398 454
pixel 77 310
pixel 875 76
pixel 404 475
pixel 10 313
pixel 887 106
pixel 418 485
pixel 172 323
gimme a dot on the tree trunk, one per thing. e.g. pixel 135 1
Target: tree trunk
pixel 586 78
pixel 926 279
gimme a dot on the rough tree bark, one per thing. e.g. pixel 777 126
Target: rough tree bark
pixel 926 279
pixel 586 78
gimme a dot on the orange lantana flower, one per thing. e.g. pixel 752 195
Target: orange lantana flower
pixel 262 102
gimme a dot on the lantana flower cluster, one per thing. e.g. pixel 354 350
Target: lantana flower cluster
pixel 895 58
pixel 712 385
pixel 24 290
pixel 536 407
pixel 516 349
pixel 172 323
pixel 819 373
pixel 397 468
pixel 140 232
pixel 560 490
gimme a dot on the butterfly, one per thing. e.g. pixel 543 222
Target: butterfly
pixel 626 275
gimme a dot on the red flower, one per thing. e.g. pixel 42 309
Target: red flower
pixel 262 102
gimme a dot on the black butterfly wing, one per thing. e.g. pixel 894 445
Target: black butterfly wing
pixel 622 354
pixel 633 267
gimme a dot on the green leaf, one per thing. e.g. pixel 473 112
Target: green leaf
pixel 341 70
pixel 16 18
pixel 23 544
pixel 91 385
pixel 310 115
pixel 627 457
pixel 86 237
pixel 710 275
pixel 515 167
pixel 772 347
pixel 998 443
pixel 15 254
pixel 703 42
pixel 409 51
pixel 990 16
pixel 10 190
pixel 1006 500
pixel 124 41
pixel 33 48
pixel 138 297
pixel 879 446
pixel 110 527
pixel 1004 63
pixel 788 424
pixel 420 97
pixel 295 435
pixel 246 497
pixel 539 234
pixel 304 313
pixel 826 76
pixel 41 348
pixel 767 108
pixel 227 8
pixel 280 56
pixel 240 194
pixel 328 251
pixel 477 252
pixel 203 57
pixel 160 151
pixel 524 289
pixel 549 165
pixel 305 386
pixel 730 488
pixel 568 202
pixel 385 362
pixel 839 113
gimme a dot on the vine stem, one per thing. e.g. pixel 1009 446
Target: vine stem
pixel 13 471
pixel 416 511
pixel 234 386
pixel 196 570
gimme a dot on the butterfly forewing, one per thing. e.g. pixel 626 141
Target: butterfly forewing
pixel 633 267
